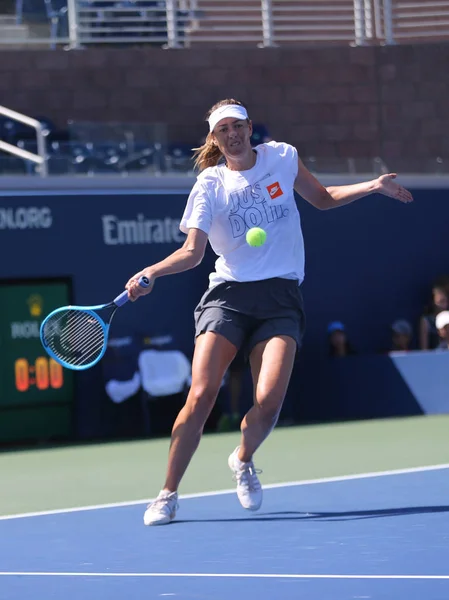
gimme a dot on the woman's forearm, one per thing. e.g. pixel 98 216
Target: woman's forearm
pixel 181 260
pixel 345 194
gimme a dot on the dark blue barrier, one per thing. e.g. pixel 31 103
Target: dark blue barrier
pixel 355 387
pixel 367 264
pixel 372 262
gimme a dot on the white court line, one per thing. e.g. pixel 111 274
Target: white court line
pixel 224 575
pixel 229 491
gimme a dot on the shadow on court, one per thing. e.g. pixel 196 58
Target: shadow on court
pixel 326 516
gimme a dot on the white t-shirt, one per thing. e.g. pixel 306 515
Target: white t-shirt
pixel 225 204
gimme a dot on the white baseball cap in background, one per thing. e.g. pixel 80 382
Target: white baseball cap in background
pixel 442 319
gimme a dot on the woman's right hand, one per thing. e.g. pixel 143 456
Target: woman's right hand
pixel 135 290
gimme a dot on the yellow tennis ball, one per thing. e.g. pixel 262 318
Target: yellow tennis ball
pixel 256 236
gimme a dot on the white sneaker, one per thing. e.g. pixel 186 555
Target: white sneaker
pixel 162 510
pixel 249 490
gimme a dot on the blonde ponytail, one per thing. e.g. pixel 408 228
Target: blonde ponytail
pixel 207 155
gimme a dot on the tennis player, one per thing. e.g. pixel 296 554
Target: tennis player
pixel 253 301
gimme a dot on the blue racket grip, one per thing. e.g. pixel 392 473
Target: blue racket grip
pixel 123 297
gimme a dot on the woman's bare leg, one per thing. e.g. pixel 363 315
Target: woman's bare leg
pixel 271 367
pixel 212 356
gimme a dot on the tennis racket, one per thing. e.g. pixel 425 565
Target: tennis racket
pixel 76 336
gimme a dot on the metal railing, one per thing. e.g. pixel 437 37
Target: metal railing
pixel 127 21
pixel 272 22
pixel 263 23
pixel 404 21
pixel 40 158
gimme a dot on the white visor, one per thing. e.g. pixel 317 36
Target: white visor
pixel 228 110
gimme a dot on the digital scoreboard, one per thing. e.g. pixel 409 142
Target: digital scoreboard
pixel 36 393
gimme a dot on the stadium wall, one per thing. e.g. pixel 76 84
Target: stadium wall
pixel 331 102
pixel 367 265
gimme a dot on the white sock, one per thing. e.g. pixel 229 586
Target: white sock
pixel 239 463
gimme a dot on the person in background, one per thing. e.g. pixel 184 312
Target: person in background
pixel 401 336
pixel 428 333
pixel 338 341
pixel 442 325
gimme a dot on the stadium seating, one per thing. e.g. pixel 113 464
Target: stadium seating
pixel 72 154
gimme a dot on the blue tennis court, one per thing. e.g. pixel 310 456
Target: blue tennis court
pixel 382 535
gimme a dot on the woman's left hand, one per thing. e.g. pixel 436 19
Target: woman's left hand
pixel 388 187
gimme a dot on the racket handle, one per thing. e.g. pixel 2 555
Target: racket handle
pixel 144 281
pixel 123 297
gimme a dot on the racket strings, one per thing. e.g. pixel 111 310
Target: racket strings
pixel 76 337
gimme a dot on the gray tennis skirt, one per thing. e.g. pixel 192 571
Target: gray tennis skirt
pixel 247 313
